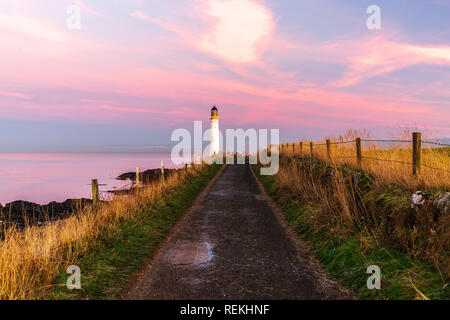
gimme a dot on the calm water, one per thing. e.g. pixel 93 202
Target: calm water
pixel 44 177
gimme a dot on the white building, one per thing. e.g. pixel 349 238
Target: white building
pixel 215 142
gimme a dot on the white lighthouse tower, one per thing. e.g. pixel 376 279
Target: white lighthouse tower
pixel 215 143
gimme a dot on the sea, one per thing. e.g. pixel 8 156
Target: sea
pixel 45 177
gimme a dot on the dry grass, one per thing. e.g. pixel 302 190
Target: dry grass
pixel 378 208
pixel 353 223
pixel 31 259
pixel 397 156
pixel 362 215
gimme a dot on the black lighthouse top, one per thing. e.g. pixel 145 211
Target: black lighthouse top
pixel 214 113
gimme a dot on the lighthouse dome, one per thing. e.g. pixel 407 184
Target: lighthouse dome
pixel 214 113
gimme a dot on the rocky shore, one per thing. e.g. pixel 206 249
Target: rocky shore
pixel 22 213
pixel 147 176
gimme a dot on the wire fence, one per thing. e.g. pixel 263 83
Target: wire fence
pixel 388 160
pixel 135 183
pixel 101 195
pixel 342 142
pixel 378 140
pixel 416 143
pixel 436 143
pixel 107 195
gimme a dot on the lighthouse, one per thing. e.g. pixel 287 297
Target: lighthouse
pixel 215 145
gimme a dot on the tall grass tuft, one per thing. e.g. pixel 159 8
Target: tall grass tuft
pixel 389 162
pixel 32 258
pixel 372 202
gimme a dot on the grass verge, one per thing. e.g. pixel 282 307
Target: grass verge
pixel 346 254
pixel 109 261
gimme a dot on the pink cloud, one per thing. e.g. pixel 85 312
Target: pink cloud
pixel 380 56
pixel 185 33
pixel 261 97
pixel 14 95
pixel 239 29
pixel 88 9
pixel 221 34
pixel 241 76
pixel 32 27
pixel 128 110
pixel 141 15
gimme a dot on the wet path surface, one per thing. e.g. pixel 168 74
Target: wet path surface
pixel 232 246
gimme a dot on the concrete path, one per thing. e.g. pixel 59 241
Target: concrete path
pixel 233 245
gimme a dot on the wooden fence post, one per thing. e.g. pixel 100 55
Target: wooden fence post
pixel 358 152
pixel 417 152
pixel 301 146
pixel 293 147
pixel 162 169
pixel 311 147
pixel 94 193
pixel 137 177
pixel 329 148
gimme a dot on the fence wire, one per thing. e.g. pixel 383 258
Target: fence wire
pixel 385 160
pixel 436 143
pixel 382 140
pixel 433 168
pixel 378 140
pixel 342 142
pixel 388 160
pixel 344 157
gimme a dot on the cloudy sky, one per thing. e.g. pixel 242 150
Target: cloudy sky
pixel 138 69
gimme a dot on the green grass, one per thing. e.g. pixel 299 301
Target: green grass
pixel 121 250
pixel 346 260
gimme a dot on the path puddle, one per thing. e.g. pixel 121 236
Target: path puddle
pixel 187 252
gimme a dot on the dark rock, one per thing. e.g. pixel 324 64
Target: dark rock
pixel 417 200
pixel 24 213
pixel 147 176
pixel 442 203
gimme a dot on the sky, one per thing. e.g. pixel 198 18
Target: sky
pixel 136 70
